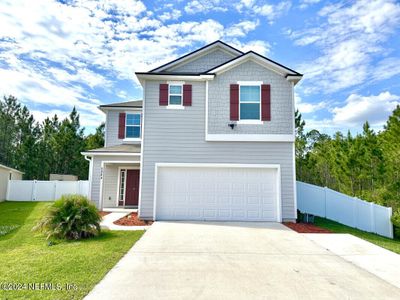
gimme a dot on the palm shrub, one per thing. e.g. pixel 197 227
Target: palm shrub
pixel 70 217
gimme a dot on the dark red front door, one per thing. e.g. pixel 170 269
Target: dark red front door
pixel 132 188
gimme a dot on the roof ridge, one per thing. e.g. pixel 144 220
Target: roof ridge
pixel 255 53
pixel 195 51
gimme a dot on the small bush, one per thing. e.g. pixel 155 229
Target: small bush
pixel 70 217
pixel 396 222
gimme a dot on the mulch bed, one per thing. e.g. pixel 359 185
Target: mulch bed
pixel 132 220
pixel 306 228
pixel 104 213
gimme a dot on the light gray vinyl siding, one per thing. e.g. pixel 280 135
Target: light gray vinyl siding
pixel 219 101
pixel 178 136
pixel 4 177
pixel 110 186
pixel 96 174
pixel 112 125
pixel 204 63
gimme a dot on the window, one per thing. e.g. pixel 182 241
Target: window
pixel 249 102
pixel 175 94
pixel 121 194
pixel 132 126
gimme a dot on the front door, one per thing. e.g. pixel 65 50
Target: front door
pixel 132 188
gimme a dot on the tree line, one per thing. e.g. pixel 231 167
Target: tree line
pixel 365 165
pixel 41 148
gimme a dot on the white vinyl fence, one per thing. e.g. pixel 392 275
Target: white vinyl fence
pixel 36 190
pixel 350 211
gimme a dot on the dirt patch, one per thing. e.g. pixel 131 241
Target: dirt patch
pixel 306 228
pixel 104 213
pixel 132 220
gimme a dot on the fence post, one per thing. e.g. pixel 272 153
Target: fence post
pixel 355 210
pixel 372 214
pixel 33 198
pixel 54 190
pixel 325 192
pixel 78 188
pixel 390 211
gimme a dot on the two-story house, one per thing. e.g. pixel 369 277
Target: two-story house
pixel 213 139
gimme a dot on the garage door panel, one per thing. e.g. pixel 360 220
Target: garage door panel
pixel 203 193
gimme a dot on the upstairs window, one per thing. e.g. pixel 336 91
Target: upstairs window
pixel 249 102
pixel 175 94
pixel 132 126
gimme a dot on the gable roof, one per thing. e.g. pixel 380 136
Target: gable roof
pixel 238 58
pixel 206 48
pixel 10 169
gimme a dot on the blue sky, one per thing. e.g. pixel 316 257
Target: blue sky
pixel 58 54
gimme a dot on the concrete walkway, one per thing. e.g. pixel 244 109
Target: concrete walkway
pixel 376 260
pixel 177 260
pixel 108 222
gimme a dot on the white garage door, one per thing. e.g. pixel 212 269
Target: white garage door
pixel 217 193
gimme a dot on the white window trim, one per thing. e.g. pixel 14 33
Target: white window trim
pixel 250 83
pixel 172 106
pixel 132 139
pixel 175 106
pixel 250 122
pixel 119 187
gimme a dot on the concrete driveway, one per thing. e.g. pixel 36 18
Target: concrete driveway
pixel 177 260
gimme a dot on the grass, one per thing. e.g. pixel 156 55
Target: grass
pixel 27 258
pixel 392 245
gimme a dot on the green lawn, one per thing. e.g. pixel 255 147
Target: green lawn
pixel 26 257
pixel 392 245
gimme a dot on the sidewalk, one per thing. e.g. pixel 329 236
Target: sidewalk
pixel 381 262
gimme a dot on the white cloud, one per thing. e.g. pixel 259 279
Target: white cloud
pixel 349 39
pixel 306 3
pixel 170 15
pixel 54 53
pixel 204 6
pixel 241 29
pixel 243 4
pixel 306 107
pixel 357 109
pixel 258 46
pixel 386 68
pixel 272 11
pixel 86 119
pixel 354 112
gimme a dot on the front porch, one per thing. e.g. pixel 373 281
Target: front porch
pixel 119 186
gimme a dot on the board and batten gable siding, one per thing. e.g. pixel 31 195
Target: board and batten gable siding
pixel 282 111
pixel 178 136
pixel 112 126
pixel 96 175
pixel 204 63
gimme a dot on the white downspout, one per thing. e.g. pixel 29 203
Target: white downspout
pixel 90 160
